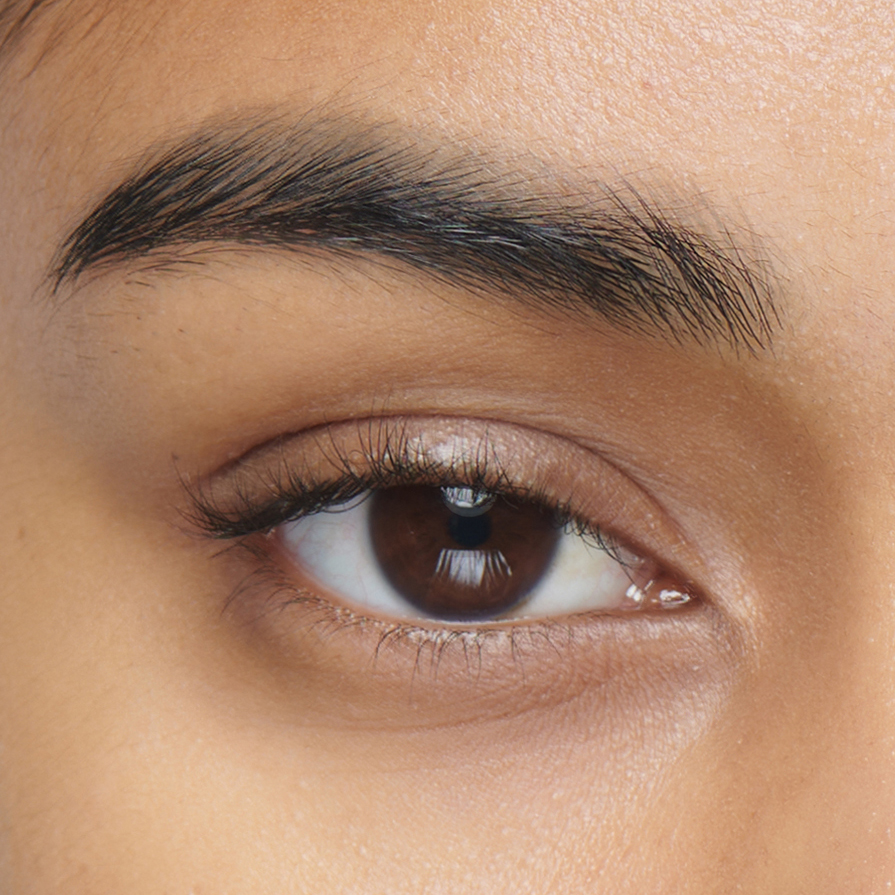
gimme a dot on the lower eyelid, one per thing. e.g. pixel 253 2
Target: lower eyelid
pixel 356 670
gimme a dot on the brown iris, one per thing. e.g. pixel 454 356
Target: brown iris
pixel 458 553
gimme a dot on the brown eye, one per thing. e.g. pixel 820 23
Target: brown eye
pixel 465 555
pixel 458 554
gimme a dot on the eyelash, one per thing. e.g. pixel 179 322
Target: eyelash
pixel 390 463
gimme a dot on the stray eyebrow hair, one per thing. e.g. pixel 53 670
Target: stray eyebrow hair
pixel 348 188
pixel 16 19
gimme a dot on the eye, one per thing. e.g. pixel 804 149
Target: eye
pixel 430 526
pixel 407 570
pixel 463 554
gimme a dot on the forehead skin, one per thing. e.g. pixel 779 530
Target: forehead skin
pixel 777 115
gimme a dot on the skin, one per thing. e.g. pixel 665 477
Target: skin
pixel 156 736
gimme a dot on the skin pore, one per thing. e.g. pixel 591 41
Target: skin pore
pixel 185 707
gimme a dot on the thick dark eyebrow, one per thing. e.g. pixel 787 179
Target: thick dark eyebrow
pixel 452 213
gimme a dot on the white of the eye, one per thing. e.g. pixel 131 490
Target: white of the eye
pixel 334 549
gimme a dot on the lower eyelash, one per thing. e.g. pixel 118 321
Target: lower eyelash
pixel 488 655
pixel 270 590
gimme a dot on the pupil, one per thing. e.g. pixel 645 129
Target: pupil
pixel 469 531
pixel 459 554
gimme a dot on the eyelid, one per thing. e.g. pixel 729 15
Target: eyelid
pixel 364 666
pixel 250 495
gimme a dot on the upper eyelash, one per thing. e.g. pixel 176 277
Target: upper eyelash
pixel 387 461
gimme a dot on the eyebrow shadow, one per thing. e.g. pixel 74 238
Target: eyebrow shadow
pixel 346 187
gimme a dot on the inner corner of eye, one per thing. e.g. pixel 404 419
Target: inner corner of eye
pixel 463 554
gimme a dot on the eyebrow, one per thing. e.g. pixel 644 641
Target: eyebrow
pixel 456 215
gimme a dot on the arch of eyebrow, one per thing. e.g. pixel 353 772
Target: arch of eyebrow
pixel 340 187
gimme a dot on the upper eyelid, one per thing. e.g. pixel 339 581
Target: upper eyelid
pixel 296 497
pixel 381 451
pixel 561 473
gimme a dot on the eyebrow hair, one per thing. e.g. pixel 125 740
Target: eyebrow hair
pixel 348 188
pixel 16 18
